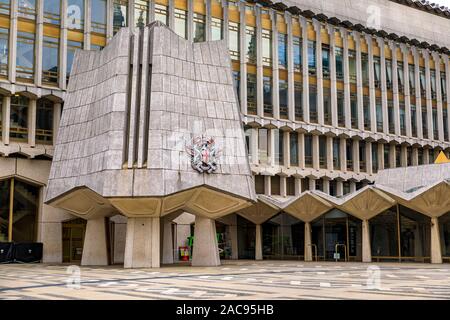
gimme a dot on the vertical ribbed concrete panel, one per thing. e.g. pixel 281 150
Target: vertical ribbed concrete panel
pixel 133 113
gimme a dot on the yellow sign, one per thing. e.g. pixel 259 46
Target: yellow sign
pixel 442 158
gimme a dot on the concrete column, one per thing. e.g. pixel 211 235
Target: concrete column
pixel 225 21
pixel 271 146
pixel 142 245
pixel 39 42
pixel 56 120
pixel 418 93
pixel 343 154
pixel 415 156
pixel 110 15
pixel 259 62
pixel 298 186
pixel 447 81
pixel 95 248
pixel 339 188
pixel 428 94
pixel 319 74
pixel 167 254
pixel 312 184
pixel 403 156
pixel 352 186
pixel 275 73
pixel 254 146
pixel 6 118
pixel 436 249
pixel 301 150
pixel 393 48
pixel 208 20
pixel 87 24
pixel 426 156
pixel 333 94
pixel 440 119
pixel 283 191
pixel 206 250
pixel 63 46
pixel 305 71
pixel 384 104
pixel 359 80
pixel 380 156
pixel 290 67
pixel 405 52
pixel 308 247
pixel 267 186
pixel 392 156
pixel 326 186
pixel 329 153
pixel 347 109
pixel 315 152
pixel 286 148
pixel 190 20
pixel 32 123
pixel 243 60
pixel 372 98
pixel 258 243
pixel 12 46
pixel 366 250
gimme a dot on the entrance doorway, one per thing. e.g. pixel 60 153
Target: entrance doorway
pixel 73 240
pixel 337 236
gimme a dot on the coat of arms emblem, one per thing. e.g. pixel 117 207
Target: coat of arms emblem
pixel 204 154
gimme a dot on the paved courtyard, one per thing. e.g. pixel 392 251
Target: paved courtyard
pixel 239 280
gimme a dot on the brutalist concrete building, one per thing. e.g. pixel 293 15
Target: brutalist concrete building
pixel 329 97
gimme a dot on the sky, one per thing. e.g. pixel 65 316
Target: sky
pixel 442 2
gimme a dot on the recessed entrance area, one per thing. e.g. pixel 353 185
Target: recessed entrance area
pixel 336 236
pixel 444 230
pixel 73 240
pixel 400 234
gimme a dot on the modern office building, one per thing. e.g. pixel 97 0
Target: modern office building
pixel 330 93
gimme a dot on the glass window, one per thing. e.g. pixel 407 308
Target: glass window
pixel 354 110
pixel 268 110
pixel 298 101
pixel 199 27
pixel 27 9
pixel 443 87
pixel 433 83
pixel 412 78
pixel 263 151
pixel 237 84
pixel 377 71
pixel 98 16
pixel 422 81
pixel 379 115
pixel 161 13
pixel 25 55
pixel 313 117
pixel 95 47
pixel 349 153
pixel 445 120
pixel 336 153
pixel 312 57
pixel 293 146
pixel 325 61
pixel 374 157
pixel 5 6
pixel 282 52
pixel 120 18
pixel 402 118
pixel 180 19
pixel 386 153
pixel 140 12
pixel 233 40
pixel 278 144
pixel 339 63
pixel 388 74
pixel 424 122
pixel 250 43
pixel 365 69
pixel 251 93
pixel 323 151
pixel 283 95
pixel 75 14
pixel 391 120
pixel 327 105
pixel 400 76
pixel 23 224
pixel 44 121
pixel 52 12
pixel 71 47
pixel 50 58
pixel 340 108
pixel 297 44
pixel 366 106
pixel 267 47
pixel 397 156
pixel 352 65
pixel 308 150
pixel 19 117
pixel 216 29
pixel 413 120
pixel 4 41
